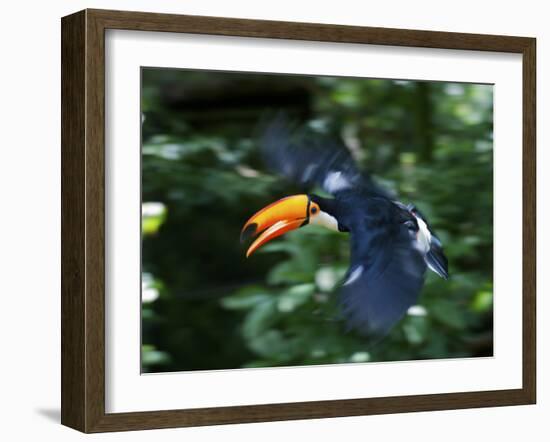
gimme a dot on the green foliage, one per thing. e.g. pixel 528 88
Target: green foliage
pixel 208 307
pixel 152 217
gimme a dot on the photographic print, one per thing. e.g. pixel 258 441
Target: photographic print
pixel 292 220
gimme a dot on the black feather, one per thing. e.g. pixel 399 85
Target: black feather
pixel 436 259
pixel 308 159
pixel 385 276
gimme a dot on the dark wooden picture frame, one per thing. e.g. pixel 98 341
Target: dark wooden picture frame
pixel 83 220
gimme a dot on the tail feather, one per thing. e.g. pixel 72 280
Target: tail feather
pixel 437 261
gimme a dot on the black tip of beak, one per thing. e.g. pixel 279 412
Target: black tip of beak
pixel 248 232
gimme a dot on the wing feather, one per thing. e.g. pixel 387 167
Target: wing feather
pixel 385 278
pixel 308 159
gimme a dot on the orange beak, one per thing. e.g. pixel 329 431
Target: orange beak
pixel 272 221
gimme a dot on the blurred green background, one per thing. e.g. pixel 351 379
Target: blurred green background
pixel 205 306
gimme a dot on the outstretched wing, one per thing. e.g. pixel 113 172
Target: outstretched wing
pixel 309 159
pixel 385 278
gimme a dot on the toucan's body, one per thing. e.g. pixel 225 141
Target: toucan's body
pixel 391 243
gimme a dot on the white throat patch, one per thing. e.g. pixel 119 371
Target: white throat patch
pixel 325 220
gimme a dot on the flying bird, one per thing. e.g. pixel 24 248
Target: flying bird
pixel 391 243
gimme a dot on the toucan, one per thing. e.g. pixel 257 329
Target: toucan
pixel 391 243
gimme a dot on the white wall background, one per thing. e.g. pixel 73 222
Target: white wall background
pixel 30 219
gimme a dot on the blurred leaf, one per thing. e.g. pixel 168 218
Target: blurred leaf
pixel 153 215
pixel 448 313
pixel 294 297
pixel 286 272
pixel 150 356
pixel 415 329
pixel 483 301
pixel 246 298
pixel 260 318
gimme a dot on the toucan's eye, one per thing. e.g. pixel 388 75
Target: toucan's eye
pixel 314 210
pixel 411 225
